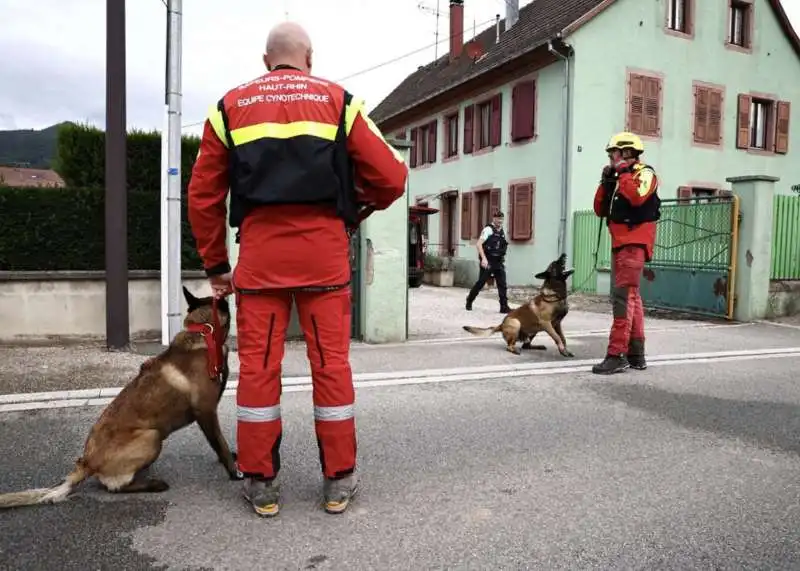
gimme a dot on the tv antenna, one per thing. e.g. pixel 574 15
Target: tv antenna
pixel 437 13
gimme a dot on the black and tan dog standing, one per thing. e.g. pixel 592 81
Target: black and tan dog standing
pixel 181 385
pixel 544 312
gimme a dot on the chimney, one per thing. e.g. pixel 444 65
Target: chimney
pixel 497 29
pixel 456 28
pixel 512 13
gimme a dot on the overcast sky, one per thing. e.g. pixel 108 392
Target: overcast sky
pixel 53 64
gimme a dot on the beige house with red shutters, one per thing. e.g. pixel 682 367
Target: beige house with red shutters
pixel 518 117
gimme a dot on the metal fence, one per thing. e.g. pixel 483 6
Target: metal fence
pixel 584 229
pixel 786 239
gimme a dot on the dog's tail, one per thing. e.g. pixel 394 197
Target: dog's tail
pixel 46 495
pixel 483 331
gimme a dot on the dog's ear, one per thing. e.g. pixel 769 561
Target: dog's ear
pixel 567 274
pixel 542 275
pixel 192 301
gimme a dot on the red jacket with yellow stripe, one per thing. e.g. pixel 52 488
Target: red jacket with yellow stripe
pixel 286 245
pixel 636 183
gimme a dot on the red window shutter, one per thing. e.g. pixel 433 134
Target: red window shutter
pixel 414 145
pixel 496 120
pixel 522 211
pixel 494 201
pixel 469 132
pixel 652 106
pixel 432 128
pixel 714 117
pixel 466 216
pixel 701 105
pixel 743 122
pixel 636 104
pixel 782 127
pixel 523 98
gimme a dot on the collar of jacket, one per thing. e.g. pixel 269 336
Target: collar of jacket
pixel 286 66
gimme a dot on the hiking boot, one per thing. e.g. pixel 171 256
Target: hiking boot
pixel 636 355
pixel 611 364
pixel 637 362
pixel 338 493
pixel 263 495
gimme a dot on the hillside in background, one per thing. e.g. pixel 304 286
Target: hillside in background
pixel 28 147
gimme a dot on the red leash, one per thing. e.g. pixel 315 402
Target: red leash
pixel 212 334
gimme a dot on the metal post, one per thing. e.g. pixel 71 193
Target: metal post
pixel 174 169
pixel 116 198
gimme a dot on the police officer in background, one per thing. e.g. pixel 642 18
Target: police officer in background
pixel 492 245
pixel 299 155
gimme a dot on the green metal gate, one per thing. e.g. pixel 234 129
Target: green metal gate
pixel 694 261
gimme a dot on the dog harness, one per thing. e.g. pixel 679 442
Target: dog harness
pixel 211 335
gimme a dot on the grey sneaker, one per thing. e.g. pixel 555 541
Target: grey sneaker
pixel 338 493
pixel 263 495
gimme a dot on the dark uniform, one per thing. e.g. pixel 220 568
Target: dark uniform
pixel 494 248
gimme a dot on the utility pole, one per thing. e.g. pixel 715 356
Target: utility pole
pixel 116 198
pixel 171 182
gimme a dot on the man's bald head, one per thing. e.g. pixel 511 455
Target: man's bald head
pixel 288 44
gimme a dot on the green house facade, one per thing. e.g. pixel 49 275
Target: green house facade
pixel 517 117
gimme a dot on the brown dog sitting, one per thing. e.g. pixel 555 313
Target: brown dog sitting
pixel 182 384
pixel 544 312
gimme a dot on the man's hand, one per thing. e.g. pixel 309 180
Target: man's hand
pixel 220 285
pixel 484 264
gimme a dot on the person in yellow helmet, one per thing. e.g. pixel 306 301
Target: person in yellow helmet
pixel 627 197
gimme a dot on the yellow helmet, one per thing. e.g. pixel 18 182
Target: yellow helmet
pixel 625 140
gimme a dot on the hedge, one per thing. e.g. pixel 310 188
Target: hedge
pixel 63 229
pixel 80 157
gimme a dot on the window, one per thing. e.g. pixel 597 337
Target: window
pixel 740 23
pixel 423 140
pixel 763 124
pixel 447 223
pixel 451 135
pixel 523 110
pixel 476 210
pixel 482 124
pixel 644 105
pixel 759 121
pixel 708 112
pixel 679 16
pixel 520 197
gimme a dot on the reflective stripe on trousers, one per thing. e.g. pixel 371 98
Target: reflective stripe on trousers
pixel 258 414
pixel 327 413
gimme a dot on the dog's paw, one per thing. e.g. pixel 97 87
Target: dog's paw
pixel 566 352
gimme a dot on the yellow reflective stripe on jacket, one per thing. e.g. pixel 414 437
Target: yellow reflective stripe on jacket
pixel 377 132
pixel 215 118
pixel 251 133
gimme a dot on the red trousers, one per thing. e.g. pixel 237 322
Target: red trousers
pixel 262 319
pixel 627 330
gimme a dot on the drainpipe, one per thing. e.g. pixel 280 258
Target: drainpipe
pixel 567 121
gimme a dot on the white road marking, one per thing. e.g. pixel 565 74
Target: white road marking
pixel 37 401
pixel 569 334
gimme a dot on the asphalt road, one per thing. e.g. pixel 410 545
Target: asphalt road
pixel 678 467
